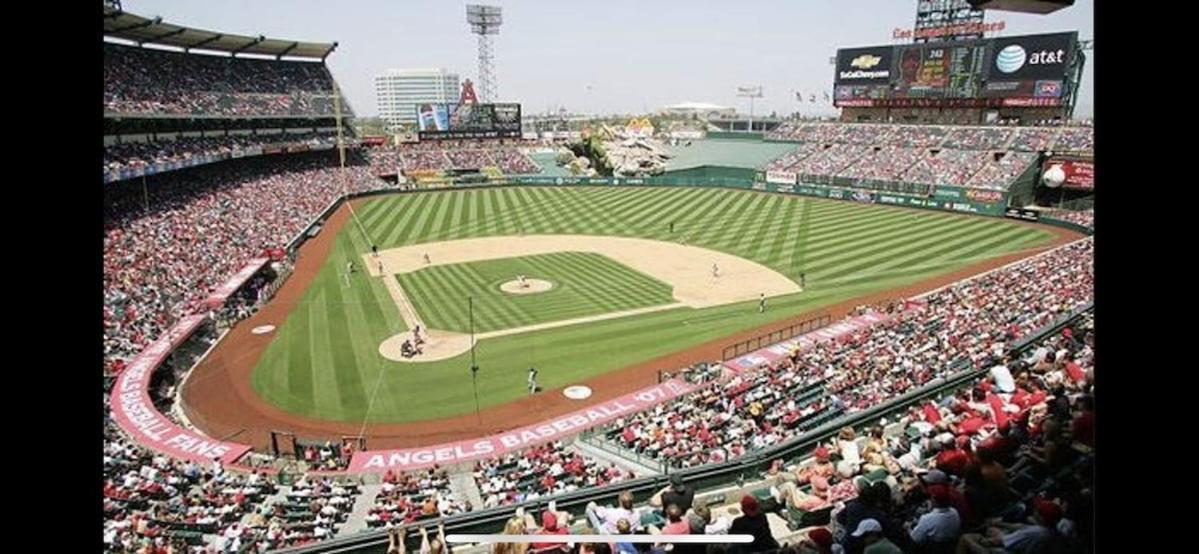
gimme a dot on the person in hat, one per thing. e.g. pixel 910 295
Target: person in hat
pixel 867 505
pixel 1019 538
pixel 957 500
pixel 870 533
pixel 550 526
pixel 676 493
pixel 941 525
pixel 823 467
pixel 753 522
pixel 819 541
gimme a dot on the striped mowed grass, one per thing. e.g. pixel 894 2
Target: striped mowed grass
pixel 324 360
pixel 585 283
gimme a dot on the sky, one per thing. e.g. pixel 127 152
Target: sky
pixel 609 57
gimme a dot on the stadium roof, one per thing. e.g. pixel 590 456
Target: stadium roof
pixel 124 25
pixel 696 106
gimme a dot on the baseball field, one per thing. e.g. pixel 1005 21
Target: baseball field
pixel 324 361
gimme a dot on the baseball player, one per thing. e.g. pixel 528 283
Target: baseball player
pixel 427 262
pixel 761 302
pixel 350 267
pixel 532 379
pixel 715 271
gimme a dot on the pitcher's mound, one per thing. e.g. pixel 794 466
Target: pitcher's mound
pixel 530 286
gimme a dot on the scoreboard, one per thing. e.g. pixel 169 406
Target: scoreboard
pixel 1010 71
pixel 468 121
pixel 939 70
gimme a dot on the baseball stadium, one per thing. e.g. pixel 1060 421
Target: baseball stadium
pixel 830 334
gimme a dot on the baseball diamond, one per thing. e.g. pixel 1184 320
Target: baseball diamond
pixel 323 362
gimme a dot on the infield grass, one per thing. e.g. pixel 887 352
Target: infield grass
pixel 324 361
pixel 585 283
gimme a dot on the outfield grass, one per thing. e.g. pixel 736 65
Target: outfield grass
pixel 585 283
pixel 325 363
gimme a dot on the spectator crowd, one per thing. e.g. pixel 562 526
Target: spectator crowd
pixel 150 81
pixel 975 157
pixel 143 154
pixel 541 471
pixel 1024 139
pixel 202 226
pixel 461 156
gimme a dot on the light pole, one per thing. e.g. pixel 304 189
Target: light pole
pixel 751 93
pixel 485 22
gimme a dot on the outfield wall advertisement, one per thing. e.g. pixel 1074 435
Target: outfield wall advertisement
pixel 404 459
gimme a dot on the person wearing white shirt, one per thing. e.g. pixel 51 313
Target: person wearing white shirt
pixel 1003 379
pixel 942 524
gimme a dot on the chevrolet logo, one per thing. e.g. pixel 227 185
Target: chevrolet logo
pixel 865 61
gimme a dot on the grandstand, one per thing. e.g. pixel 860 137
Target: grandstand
pixel 968 390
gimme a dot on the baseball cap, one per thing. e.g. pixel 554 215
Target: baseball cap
pixel 934 477
pixel 676 481
pixel 1049 511
pixel 821 536
pixel 868 526
pixel 749 505
pixel 939 492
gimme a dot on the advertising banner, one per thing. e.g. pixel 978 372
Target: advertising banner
pixel 1021 213
pixel 870 65
pixel 984 196
pixel 380 461
pixel 948 192
pixel 863 196
pixel 1030 66
pixel 135 413
pixel 784 177
pixel 1080 174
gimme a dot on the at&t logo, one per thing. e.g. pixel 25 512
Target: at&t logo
pixel 1010 58
pixel 1013 57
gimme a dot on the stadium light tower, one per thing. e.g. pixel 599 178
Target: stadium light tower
pixel 485 22
pixel 751 93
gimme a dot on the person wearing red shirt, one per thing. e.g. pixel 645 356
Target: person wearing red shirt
pixel 549 526
pixel 952 460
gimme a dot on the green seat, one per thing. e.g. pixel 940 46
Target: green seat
pixel 762 494
pixel 877 475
